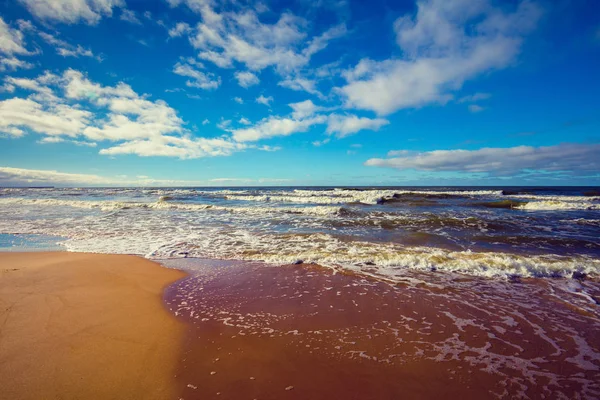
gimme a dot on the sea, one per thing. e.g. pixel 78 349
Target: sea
pixel 494 292
pixel 497 232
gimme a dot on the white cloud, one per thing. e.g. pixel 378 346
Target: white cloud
pixel 199 79
pixel 574 158
pixel 474 108
pixel 180 29
pixel 238 100
pixel 35 177
pixel 446 43
pixel 240 36
pixel 301 84
pixel 319 143
pixel 345 125
pixel 72 106
pixel 72 11
pixel 12 63
pixel 57 139
pixel 474 97
pixel 205 122
pixel 52 139
pixel 11 40
pixel 12 43
pixel 305 109
pixel 275 126
pixel 304 115
pixel 224 124
pixel 50 119
pixel 264 100
pixel 246 79
pixel 244 121
pixel 181 147
pixel 66 49
pixel 269 148
pixel 130 16
pixel 32 85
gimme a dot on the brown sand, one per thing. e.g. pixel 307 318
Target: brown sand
pixel 86 326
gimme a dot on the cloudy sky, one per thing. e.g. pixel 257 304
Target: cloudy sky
pixel 340 92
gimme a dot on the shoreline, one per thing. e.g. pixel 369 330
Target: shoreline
pixel 121 326
pixel 77 325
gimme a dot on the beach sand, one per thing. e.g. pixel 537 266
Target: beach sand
pixel 86 326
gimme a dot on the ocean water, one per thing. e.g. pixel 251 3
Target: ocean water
pixel 383 232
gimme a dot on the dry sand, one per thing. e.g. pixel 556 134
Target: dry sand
pixel 86 326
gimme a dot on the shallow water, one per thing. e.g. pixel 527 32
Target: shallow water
pixel 257 330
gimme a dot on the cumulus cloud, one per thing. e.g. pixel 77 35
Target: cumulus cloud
pixel 72 11
pixel 246 79
pixel 238 100
pixel 264 100
pixel 12 44
pixel 49 119
pixel 305 109
pixel 180 29
pixel 199 79
pixel 446 43
pixel 275 126
pixel 238 35
pixel 305 115
pixel 346 125
pixel 181 147
pixel 573 158
pixel 74 107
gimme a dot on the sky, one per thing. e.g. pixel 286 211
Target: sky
pixel 297 93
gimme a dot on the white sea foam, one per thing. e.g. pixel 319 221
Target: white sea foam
pixel 340 196
pixel 162 204
pixel 560 205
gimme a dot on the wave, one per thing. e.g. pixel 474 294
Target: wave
pixel 558 205
pixel 384 260
pixel 165 204
pixel 342 196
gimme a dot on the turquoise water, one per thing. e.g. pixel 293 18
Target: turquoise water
pixel 29 242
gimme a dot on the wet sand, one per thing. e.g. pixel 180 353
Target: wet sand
pixel 302 332
pixel 86 326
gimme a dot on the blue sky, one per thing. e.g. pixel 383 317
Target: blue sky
pixel 199 92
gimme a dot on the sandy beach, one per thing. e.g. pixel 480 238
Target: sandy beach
pixel 86 326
